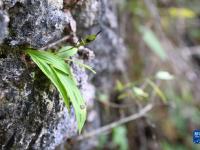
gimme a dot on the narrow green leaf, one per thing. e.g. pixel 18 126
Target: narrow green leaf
pixel 49 72
pixel 140 92
pixel 157 90
pixel 52 59
pixel 75 97
pixel 119 86
pixel 119 137
pixel 67 51
pixel 82 65
pixel 60 74
pixel 153 43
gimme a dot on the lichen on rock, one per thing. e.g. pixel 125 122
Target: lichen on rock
pixel 3 24
pixel 35 22
pixel 26 120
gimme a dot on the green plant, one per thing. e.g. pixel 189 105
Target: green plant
pixel 139 89
pixel 153 42
pixel 55 66
pixel 119 137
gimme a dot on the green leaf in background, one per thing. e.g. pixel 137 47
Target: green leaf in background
pixel 89 38
pixel 103 97
pixel 181 12
pixel 140 92
pixel 157 90
pixel 102 140
pixel 164 75
pixel 152 42
pixel 60 74
pixel 171 146
pixel 119 86
pixel 119 137
pixel 67 51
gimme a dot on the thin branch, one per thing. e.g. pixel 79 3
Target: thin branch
pixel 56 42
pixel 108 127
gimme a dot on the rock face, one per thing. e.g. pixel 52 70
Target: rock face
pixel 3 23
pixel 35 22
pixel 32 116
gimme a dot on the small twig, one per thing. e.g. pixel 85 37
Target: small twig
pixel 56 42
pixel 108 127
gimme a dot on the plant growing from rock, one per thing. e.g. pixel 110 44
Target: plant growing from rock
pixel 56 67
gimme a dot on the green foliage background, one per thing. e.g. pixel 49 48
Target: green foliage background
pixel 153 35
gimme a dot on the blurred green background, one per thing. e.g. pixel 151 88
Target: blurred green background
pixel 163 38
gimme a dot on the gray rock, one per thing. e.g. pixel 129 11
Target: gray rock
pixel 32 116
pixel 110 53
pixel 35 22
pixel 109 49
pixel 3 24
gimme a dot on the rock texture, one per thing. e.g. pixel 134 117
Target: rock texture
pixel 35 22
pixel 32 116
pixel 110 54
pixel 3 23
pixel 109 49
